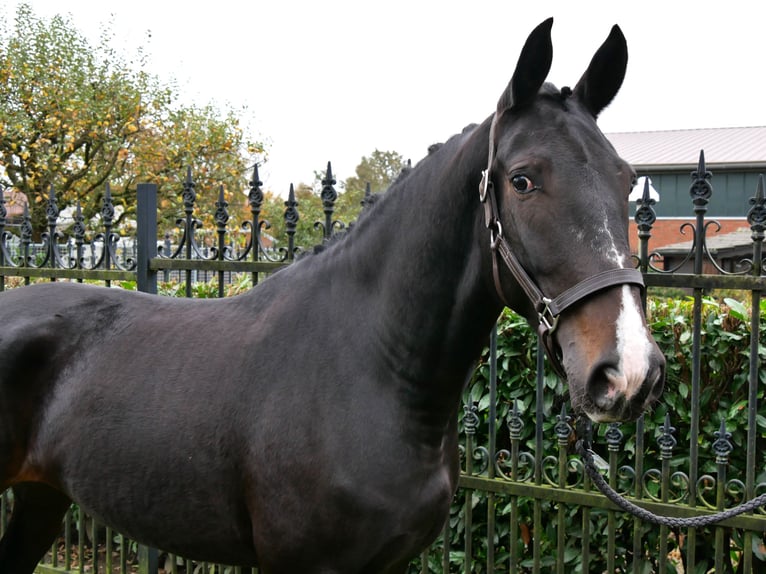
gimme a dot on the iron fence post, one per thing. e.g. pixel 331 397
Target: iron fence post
pixel 146 236
pixel 148 561
pixel 3 214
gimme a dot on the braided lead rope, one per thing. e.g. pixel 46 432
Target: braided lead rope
pixel 698 521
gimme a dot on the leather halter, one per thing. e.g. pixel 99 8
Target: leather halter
pixel 548 309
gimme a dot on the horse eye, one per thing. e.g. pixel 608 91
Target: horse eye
pixel 522 184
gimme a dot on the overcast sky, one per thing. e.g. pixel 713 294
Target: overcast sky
pixel 334 80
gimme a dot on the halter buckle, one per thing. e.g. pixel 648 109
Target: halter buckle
pixel 547 317
pixel 495 233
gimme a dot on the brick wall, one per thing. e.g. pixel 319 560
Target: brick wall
pixel 667 231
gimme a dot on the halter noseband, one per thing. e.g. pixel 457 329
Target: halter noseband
pixel 548 309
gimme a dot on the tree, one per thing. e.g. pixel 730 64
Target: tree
pixel 379 170
pixel 75 117
pixel 200 139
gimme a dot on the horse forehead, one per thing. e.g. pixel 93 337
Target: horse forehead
pixel 564 135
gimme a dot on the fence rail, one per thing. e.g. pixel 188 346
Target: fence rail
pixel 521 488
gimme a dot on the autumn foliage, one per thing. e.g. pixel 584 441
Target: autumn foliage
pixel 76 116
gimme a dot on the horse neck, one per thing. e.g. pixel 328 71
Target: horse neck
pixel 432 302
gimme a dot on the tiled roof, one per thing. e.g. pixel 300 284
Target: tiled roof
pixel 736 239
pixel 676 148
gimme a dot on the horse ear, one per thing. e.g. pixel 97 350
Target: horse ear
pixel 603 78
pixel 531 69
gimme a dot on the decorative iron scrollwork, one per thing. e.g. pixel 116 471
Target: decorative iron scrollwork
pixel 470 418
pixel 666 441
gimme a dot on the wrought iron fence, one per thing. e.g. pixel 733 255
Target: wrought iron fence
pixel 524 502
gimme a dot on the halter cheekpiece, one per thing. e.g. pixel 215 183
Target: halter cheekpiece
pixel 548 309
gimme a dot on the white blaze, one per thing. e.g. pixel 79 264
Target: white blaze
pixel 633 346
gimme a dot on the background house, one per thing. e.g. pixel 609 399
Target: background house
pixel 734 156
pixel 15 201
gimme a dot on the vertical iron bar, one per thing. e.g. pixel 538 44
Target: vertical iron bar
pixel 68 539
pixel 166 244
pixel 722 448
pixel 563 431
pixel 585 559
pixel 221 219
pixel 445 548
pixel 700 192
pixel 107 216
pixel 80 541
pixel 255 199
pixel 147 560
pixel 470 422
pixel 189 198
pixel 614 442
pixel 52 214
pixel 639 494
pixel 537 520
pixel 644 218
pixel 108 566
pixel 3 215
pixel 94 545
pixel 26 241
pixel 79 237
pixel 328 196
pixel 666 443
pixel 492 445
pixel 146 236
pixel 291 222
pixel 123 555
pixel 691 539
pixel 756 216
pixel 515 427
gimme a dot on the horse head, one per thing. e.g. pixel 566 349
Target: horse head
pixel 556 204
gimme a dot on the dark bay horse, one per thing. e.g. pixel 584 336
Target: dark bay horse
pixel 313 427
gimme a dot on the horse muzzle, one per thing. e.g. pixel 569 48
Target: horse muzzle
pixel 614 368
pixel 612 395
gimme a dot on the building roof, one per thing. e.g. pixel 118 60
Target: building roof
pixel 724 147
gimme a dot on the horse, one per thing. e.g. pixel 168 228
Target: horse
pixel 324 438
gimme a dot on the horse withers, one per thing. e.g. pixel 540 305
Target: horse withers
pixel 324 437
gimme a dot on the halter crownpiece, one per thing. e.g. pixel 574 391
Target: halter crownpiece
pixel 548 309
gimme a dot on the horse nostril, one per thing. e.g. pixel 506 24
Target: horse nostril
pixel 607 387
pixel 617 396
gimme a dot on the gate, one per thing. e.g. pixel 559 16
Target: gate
pixel 524 502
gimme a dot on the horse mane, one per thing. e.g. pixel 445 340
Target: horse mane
pixel 550 92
